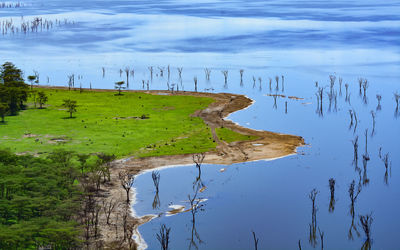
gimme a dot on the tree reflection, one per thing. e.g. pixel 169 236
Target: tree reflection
pixel 366 222
pixel 332 202
pixel 195 206
pixel 353 194
pixel 198 160
pixel 155 175
pixel 313 226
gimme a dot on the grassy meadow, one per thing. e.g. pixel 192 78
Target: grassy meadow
pixel 134 124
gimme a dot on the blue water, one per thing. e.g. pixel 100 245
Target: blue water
pixel 306 41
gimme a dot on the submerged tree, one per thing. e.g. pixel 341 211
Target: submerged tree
pixel 163 236
pixel 313 226
pixel 241 76
pixel 332 200
pixel 366 222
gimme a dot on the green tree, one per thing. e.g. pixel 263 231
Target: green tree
pixel 42 99
pixel 119 86
pixel 13 89
pixel 31 79
pixel 70 105
pixel 3 110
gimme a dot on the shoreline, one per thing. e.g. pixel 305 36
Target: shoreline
pixel 267 146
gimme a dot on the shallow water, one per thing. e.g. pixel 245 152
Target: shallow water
pixel 306 41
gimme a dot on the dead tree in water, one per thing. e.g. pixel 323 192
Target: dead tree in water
pixel 155 175
pixel 151 72
pixel 347 98
pixel 161 69
pixel 195 83
pixel 127 181
pixel 373 123
pixel 353 194
pixel 365 87
pixel 332 189
pixel 340 86
pixel 198 160
pixel 180 72
pixel 321 235
pixel 241 76
pixel 360 82
pixel 366 222
pixel 387 164
pixel 255 240
pixel 254 82
pixel 313 225
pixel 163 237
pixel 351 118
pixel 225 73
pixel 396 98
pixel 270 84
pixel 320 94
pixel 207 72
pixel 379 98
pixel 127 71
pixel 277 83
pixel 355 150
pixel 104 71
pixel 283 83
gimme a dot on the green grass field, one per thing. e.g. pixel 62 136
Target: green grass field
pixel 109 123
pixel 229 136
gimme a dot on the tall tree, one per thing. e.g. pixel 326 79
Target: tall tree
pixel 3 110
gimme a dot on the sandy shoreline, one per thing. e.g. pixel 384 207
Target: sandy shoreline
pixel 269 145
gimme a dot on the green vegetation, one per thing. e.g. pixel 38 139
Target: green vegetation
pixel 39 201
pixel 130 124
pixel 13 91
pixel 229 136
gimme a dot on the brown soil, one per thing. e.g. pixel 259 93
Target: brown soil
pixel 268 145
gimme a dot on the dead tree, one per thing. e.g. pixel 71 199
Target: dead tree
pixel 127 71
pixel 396 98
pixel 108 208
pixel 161 69
pixel 255 240
pixel 379 98
pixel 351 118
pixel 387 164
pixel 180 73
pixel 163 237
pixel 127 181
pixel 225 73
pixel 332 189
pixel 360 82
pixel 198 160
pixel 283 83
pixel 259 82
pixel 195 83
pixel 347 98
pixel 321 235
pixel 277 83
pixel 353 194
pixel 241 76
pixel 270 84
pixel 151 72
pixel 169 72
pixel 254 82
pixel 207 72
pixel 313 225
pixel 366 222
pixel 373 123
pixel 340 86
pixel 365 87
pixel 195 206
pixel 155 175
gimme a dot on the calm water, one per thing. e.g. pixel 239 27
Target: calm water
pixel 306 41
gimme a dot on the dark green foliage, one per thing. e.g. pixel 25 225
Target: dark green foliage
pixel 13 90
pixel 39 201
pixel 42 98
pixel 70 105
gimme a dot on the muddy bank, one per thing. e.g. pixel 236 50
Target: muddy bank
pixel 269 145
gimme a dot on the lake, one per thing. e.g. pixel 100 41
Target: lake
pixel 304 41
